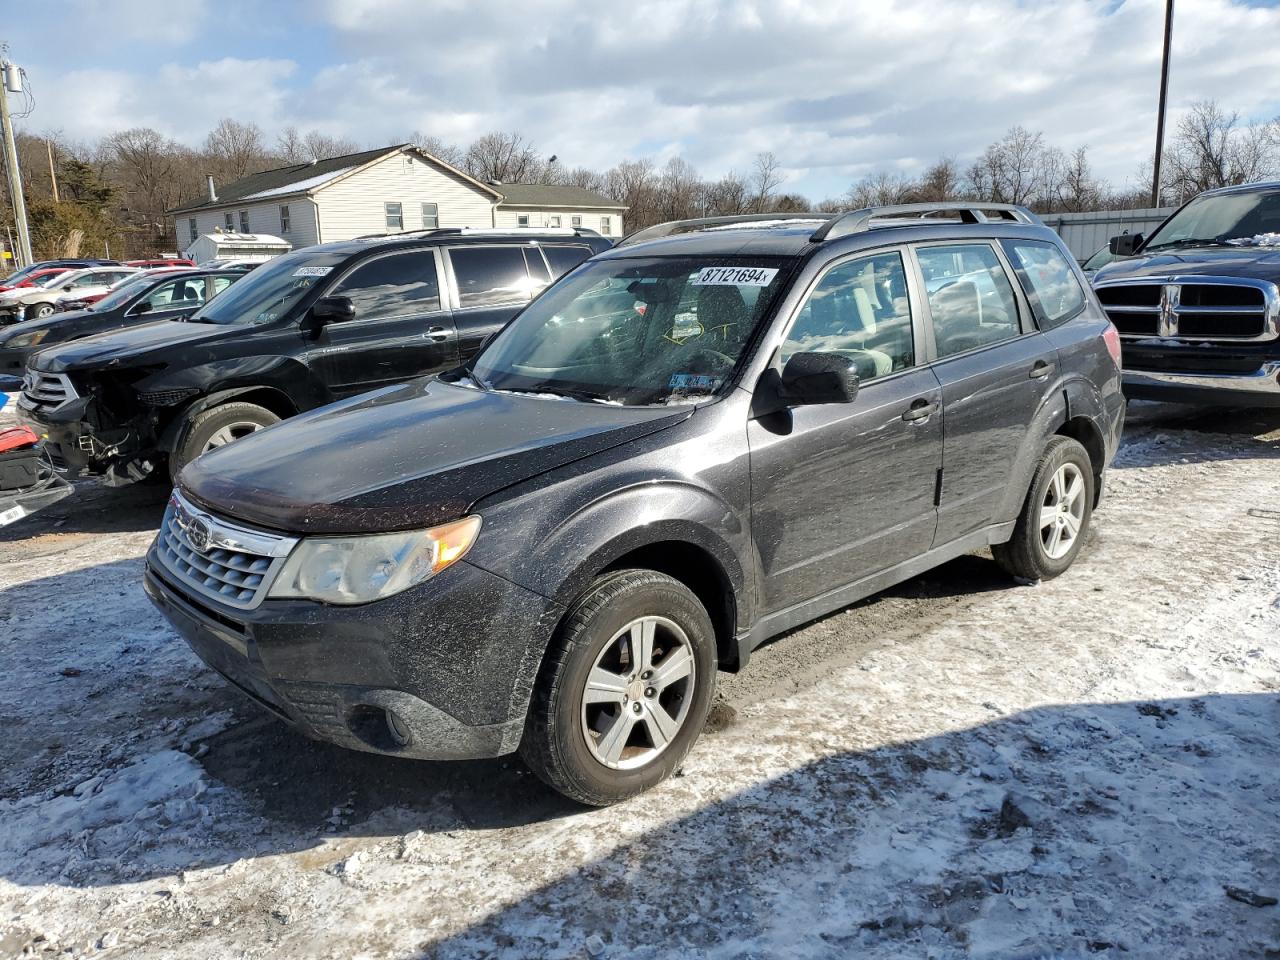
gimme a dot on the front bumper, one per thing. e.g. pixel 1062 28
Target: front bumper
pixel 443 671
pixel 1255 388
pixel 69 440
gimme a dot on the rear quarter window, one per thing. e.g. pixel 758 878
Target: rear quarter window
pixel 1048 280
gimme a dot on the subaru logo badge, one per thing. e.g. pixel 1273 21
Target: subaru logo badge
pixel 199 534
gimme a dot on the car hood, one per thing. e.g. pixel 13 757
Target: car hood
pixel 1257 263
pixel 67 319
pixel 124 346
pixel 405 457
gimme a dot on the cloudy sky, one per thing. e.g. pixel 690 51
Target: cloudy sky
pixel 835 89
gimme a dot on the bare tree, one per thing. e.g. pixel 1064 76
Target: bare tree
pixel 1212 148
pixel 289 146
pixel 1011 170
pixel 880 189
pixel 766 177
pixel 505 157
pixel 1077 188
pixel 728 196
pixel 450 153
pixel 634 184
pixel 680 190
pixel 235 149
pixel 939 183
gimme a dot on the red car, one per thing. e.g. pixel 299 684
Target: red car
pixel 31 278
pixel 160 262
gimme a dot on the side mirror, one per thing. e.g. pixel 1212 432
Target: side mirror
pixel 328 310
pixel 810 378
pixel 144 307
pixel 1125 245
pixel 68 288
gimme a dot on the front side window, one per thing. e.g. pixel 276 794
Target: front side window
pixel 191 228
pixel 398 285
pixel 230 223
pixel 177 293
pixel 430 216
pixel 860 310
pixel 244 221
pixel 1047 279
pixel 970 297
pixel 284 219
pixel 490 275
pixel 395 216
pixel 606 226
pixel 656 330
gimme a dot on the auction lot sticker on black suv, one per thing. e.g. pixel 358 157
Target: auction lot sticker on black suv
pixel 736 276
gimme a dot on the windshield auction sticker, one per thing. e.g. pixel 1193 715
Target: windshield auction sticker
pixel 735 276
pixel 312 271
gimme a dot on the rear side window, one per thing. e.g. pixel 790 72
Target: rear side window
pixel 489 275
pixel 1048 280
pixel 564 257
pixel 397 285
pixel 970 297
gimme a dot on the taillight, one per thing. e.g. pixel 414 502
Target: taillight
pixel 1111 336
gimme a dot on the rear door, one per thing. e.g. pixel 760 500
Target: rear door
pixel 492 283
pixel 401 328
pixel 841 491
pixel 995 368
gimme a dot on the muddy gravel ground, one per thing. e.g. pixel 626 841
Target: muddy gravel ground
pixel 960 766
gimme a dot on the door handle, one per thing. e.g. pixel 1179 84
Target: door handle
pixel 1040 369
pixel 920 409
pixel 436 334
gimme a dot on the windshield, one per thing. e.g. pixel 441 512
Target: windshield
pixel 271 291
pixel 19 275
pixel 644 331
pixel 1219 219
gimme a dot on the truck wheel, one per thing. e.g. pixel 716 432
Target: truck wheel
pixel 1055 517
pixel 624 690
pixel 216 428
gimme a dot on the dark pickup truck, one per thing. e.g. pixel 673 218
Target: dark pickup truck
pixel 1197 302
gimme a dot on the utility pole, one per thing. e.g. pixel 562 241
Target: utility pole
pixel 13 84
pixel 1164 97
pixel 53 174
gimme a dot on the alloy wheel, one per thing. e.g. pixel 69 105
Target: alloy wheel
pixel 1062 512
pixel 231 432
pixel 637 695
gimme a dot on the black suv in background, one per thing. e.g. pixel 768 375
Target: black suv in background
pixel 302 330
pixel 1198 301
pixel 144 297
pixel 704 437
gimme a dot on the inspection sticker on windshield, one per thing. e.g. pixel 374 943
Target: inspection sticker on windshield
pixel 735 276
pixel 312 271
pixel 694 382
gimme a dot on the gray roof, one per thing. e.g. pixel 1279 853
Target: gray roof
pixel 281 179
pixel 553 195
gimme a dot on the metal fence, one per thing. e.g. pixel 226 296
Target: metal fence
pixel 1084 233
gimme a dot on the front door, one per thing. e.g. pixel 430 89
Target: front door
pixel 995 369
pixel 400 330
pixel 841 491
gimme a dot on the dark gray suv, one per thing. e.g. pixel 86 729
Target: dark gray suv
pixel 714 432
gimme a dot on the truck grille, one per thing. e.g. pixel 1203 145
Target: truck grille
pixel 1193 308
pixel 47 391
pixel 216 559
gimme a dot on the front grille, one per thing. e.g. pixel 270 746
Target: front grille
pixel 216 559
pixel 47 391
pixel 1193 308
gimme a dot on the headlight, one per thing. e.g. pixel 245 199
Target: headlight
pixel 361 569
pixel 28 339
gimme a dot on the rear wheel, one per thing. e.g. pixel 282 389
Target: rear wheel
pixel 41 310
pixel 1055 517
pixel 216 428
pixel 624 691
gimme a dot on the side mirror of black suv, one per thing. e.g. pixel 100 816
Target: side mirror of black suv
pixel 1125 245
pixel 328 310
pixel 818 378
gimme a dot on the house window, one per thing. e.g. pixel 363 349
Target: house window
pixel 553 221
pixel 395 216
pixel 430 216
pixel 244 221
pixel 191 228
pixel 229 221
pixel 522 219
pixel 284 218
pixel 606 225
pixel 575 222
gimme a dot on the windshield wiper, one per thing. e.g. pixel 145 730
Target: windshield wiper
pixel 583 396
pixel 1189 242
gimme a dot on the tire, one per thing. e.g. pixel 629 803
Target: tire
pixel 41 311
pixel 217 427
pixel 567 739
pixel 1048 534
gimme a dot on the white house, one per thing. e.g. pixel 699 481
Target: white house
pixel 389 190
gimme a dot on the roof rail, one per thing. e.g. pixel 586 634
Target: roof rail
pixel 859 221
pixel 702 223
pixel 483 232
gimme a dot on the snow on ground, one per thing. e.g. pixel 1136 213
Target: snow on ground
pixel 959 767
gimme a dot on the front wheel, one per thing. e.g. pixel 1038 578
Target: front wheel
pixel 1055 517
pixel 624 690
pixel 216 428
pixel 40 311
